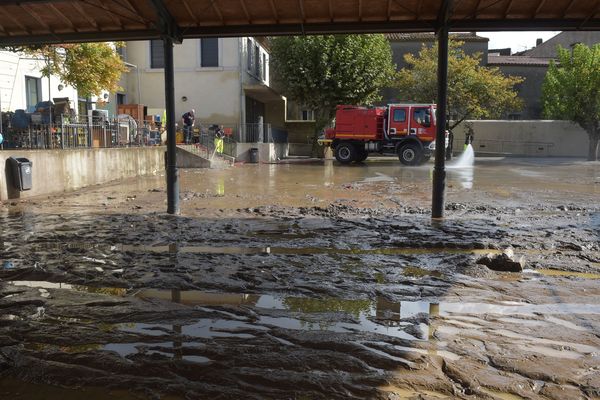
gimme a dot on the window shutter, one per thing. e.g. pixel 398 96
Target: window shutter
pixel 209 52
pixel 157 54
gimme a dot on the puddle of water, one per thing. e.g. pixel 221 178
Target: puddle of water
pixel 194 297
pixel 127 349
pixel 379 177
pixel 15 389
pixel 364 325
pixel 43 285
pixel 378 317
pixel 556 272
pixel 210 328
pixel 197 359
pixel 405 309
pixel 174 248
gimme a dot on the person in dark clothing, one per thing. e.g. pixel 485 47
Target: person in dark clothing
pixel 188 125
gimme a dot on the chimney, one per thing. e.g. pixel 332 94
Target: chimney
pixel 539 41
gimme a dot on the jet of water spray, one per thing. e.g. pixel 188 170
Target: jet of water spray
pixel 466 159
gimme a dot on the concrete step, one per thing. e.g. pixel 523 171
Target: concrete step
pixel 196 156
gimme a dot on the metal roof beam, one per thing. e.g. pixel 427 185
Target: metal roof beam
pixel 21 2
pixel 166 23
pixel 444 14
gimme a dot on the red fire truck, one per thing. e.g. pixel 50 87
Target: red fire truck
pixel 406 130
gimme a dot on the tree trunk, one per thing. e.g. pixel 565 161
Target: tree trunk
pixel 321 121
pixel 594 145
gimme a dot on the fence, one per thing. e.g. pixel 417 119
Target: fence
pixel 82 132
pixel 99 132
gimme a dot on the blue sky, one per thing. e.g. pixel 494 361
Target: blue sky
pixel 517 41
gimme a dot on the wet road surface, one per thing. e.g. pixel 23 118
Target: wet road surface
pixel 307 281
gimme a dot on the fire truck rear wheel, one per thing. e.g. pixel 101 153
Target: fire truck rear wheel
pixel 345 152
pixel 410 154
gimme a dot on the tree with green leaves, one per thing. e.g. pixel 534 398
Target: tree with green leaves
pixel 474 91
pixel 571 91
pixel 322 72
pixel 88 67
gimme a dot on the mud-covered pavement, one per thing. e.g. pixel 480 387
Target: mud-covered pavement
pixel 307 281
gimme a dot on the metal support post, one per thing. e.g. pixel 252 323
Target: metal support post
pixel 172 172
pixel 439 172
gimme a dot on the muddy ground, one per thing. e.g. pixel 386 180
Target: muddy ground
pixel 307 281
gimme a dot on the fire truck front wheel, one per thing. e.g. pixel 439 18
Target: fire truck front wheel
pixel 410 154
pixel 345 152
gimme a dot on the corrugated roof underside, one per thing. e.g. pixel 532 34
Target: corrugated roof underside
pixel 70 18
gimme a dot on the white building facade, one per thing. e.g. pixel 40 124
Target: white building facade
pixel 225 80
pixel 22 85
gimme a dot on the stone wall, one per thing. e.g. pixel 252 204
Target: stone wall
pixel 56 171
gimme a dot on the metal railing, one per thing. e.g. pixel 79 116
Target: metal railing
pixel 82 132
pixel 99 132
pixel 254 133
pixel 204 146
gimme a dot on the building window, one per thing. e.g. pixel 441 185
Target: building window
pixel 157 54
pixel 399 115
pixel 209 52
pixel 256 60
pixel 33 89
pixel 308 115
pixel 264 67
pixel 120 98
pixel 249 49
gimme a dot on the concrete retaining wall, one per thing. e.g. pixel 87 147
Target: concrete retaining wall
pixel 299 149
pixel 525 138
pixel 56 171
pixel 267 152
pixel 186 159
